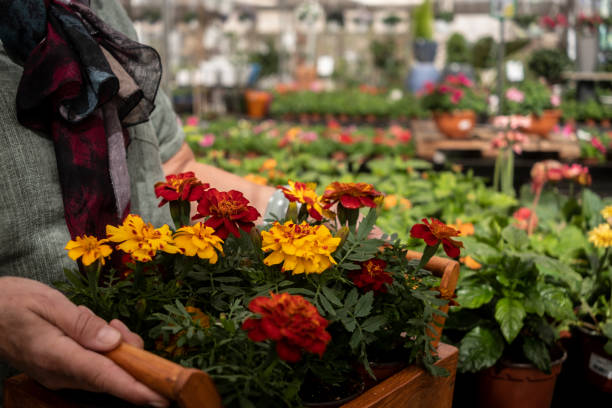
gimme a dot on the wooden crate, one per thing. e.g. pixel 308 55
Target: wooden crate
pixel 429 140
pixel 411 387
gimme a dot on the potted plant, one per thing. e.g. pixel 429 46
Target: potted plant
pixel 590 113
pixel 424 47
pixel 454 103
pixel 549 63
pixel 587 41
pixel 277 316
pixel 458 56
pixel 506 324
pixel 534 100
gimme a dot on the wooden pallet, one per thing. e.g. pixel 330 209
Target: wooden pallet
pixel 429 141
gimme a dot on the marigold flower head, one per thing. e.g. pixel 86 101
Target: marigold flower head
pixel 351 195
pixel 465 229
pixel 601 236
pixel 372 276
pixel 139 239
pixel 292 322
pixel 305 193
pixel 436 232
pixel 257 179
pixel 607 212
pixel 470 262
pixel 183 186
pixel 301 248
pixel 227 212
pixel 198 240
pixel 89 249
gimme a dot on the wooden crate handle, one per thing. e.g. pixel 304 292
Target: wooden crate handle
pixel 188 386
pixel 448 272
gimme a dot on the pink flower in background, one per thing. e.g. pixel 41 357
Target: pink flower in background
pixel 598 145
pixel 555 100
pixel 309 136
pixel 333 124
pixel 514 95
pixel 456 96
pixel 561 20
pixel 401 134
pixel 193 121
pixel 445 89
pixel 346 138
pixel 523 217
pixel 459 79
pixel 429 87
pixel 207 140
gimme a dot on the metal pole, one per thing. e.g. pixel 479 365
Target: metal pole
pixel 500 65
pixel 166 55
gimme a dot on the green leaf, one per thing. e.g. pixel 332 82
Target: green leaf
pixel 510 313
pixel 327 306
pixel 591 206
pixel 356 338
pixel 351 298
pixel 557 302
pixel 480 349
pixel 517 238
pixel 607 330
pixel 533 302
pixel 608 347
pixel 371 324
pixel 472 297
pixel 364 305
pixel 553 267
pixel 480 251
pixel 331 295
pixel 537 352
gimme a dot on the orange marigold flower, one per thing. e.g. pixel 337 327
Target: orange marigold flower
pixel 183 186
pixel 89 249
pixel 227 212
pixel 292 322
pixel 305 193
pixel 372 276
pixel 301 248
pixel 470 262
pixel 466 229
pixel 257 179
pixel 269 164
pixel 436 232
pixel 390 201
pixel 351 195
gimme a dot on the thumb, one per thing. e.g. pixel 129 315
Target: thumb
pixel 91 331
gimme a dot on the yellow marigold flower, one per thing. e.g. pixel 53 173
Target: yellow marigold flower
pixel 470 262
pixel 141 240
pixel 305 193
pixel 601 236
pixel 301 248
pixel 465 228
pixel 199 240
pixel 89 248
pixel 607 213
pixel 257 179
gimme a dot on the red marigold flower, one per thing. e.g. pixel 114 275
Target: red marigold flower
pixel 436 231
pixel 227 212
pixel 372 276
pixel 350 195
pixel 304 193
pixel 183 186
pixel 291 321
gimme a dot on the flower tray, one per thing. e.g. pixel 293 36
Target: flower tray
pixel 410 387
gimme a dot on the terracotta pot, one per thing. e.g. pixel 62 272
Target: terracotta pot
pixel 605 123
pixel 596 363
pixel 456 124
pixel 542 125
pixel 510 385
pixel 257 103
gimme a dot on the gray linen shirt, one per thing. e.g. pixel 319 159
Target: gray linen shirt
pixel 33 231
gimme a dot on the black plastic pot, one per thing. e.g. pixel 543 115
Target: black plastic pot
pixel 424 50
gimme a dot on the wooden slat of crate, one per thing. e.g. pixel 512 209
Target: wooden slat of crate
pixel 429 140
pixel 411 387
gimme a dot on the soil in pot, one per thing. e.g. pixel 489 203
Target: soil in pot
pixel 316 393
pixel 512 385
pixel 383 363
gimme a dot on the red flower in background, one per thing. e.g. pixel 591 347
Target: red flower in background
pixel 350 195
pixel 228 211
pixel 525 219
pixel 183 186
pixel 292 322
pixel 372 276
pixel 435 232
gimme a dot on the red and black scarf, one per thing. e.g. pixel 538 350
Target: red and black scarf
pixel 83 83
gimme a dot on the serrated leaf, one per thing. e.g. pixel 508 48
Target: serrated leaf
pixel 327 306
pixel 474 296
pixel 553 267
pixel 509 313
pixel 364 305
pixel 351 298
pixel 537 352
pixel 331 295
pixel 373 323
pixel 355 339
pixel 479 349
pixel 349 324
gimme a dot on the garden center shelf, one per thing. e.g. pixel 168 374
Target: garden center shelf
pixel 429 142
pixel 411 387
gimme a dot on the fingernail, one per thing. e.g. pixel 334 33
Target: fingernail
pixel 158 404
pixel 108 336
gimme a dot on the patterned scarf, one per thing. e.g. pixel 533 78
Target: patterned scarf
pixel 83 83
